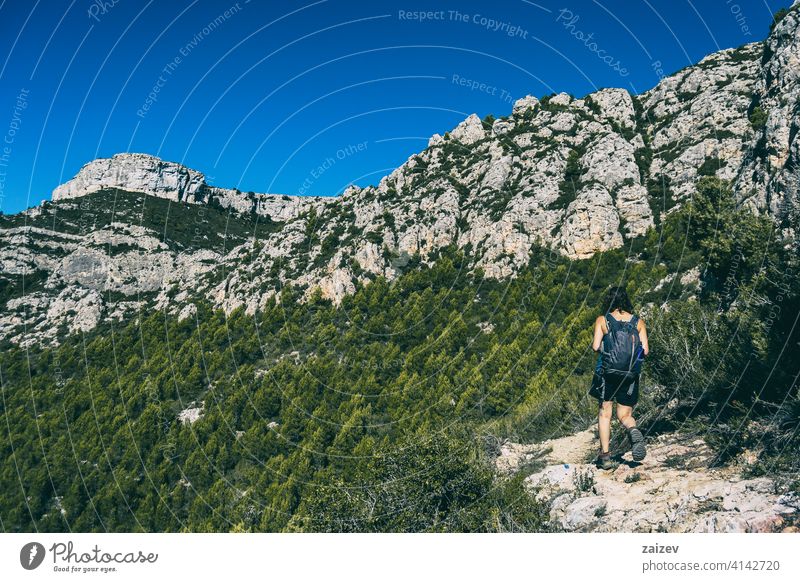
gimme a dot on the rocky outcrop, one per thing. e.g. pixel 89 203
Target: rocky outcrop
pixel 191 413
pixel 701 113
pixel 770 176
pixel 592 224
pixel 673 490
pixel 616 105
pixel 135 173
pixel 153 176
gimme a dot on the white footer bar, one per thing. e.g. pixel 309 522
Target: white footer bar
pixel 417 557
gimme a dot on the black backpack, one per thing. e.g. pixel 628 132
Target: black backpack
pixel 621 347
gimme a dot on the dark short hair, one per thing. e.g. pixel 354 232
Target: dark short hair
pixel 617 298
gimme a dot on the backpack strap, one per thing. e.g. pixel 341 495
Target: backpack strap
pixel 609 319
pixel 634 322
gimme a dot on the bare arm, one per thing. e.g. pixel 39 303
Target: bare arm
pixel 599 332
pixel 643 336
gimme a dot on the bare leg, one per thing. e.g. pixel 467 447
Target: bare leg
pixel 624 416
pixel 638 449
pixel 604 425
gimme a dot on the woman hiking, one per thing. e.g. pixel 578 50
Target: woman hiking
pixel 621 338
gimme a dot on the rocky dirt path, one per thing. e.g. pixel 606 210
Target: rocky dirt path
pixel 673 490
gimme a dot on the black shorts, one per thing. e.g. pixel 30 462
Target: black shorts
pixel 616 389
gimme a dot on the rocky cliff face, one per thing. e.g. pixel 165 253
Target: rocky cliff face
pixel 146 174
pixel 770 176
pixel 575 175
pixel 700 114
pixel 136 173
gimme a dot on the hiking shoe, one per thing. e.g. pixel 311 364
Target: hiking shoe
pixel 638 449
pixel 604 461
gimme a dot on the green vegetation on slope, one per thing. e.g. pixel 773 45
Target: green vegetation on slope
pixel 178 224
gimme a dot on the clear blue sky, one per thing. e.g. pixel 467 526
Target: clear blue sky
pixel 309 96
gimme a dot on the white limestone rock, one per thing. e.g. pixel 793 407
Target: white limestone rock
pixel 675 489
pixel 522 105
pixel 81 308
pixel 769 180
pixel 563 99
pixel 502 126
pixel 610 161
pixel 616 105
pixel 191 414
pixel 136 173
pixel 469 131
pixel 187 311
pixel 591 225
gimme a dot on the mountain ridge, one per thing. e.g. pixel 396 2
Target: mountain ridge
pixel 575 176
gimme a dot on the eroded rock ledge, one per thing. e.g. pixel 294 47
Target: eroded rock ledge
pixel 673 490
